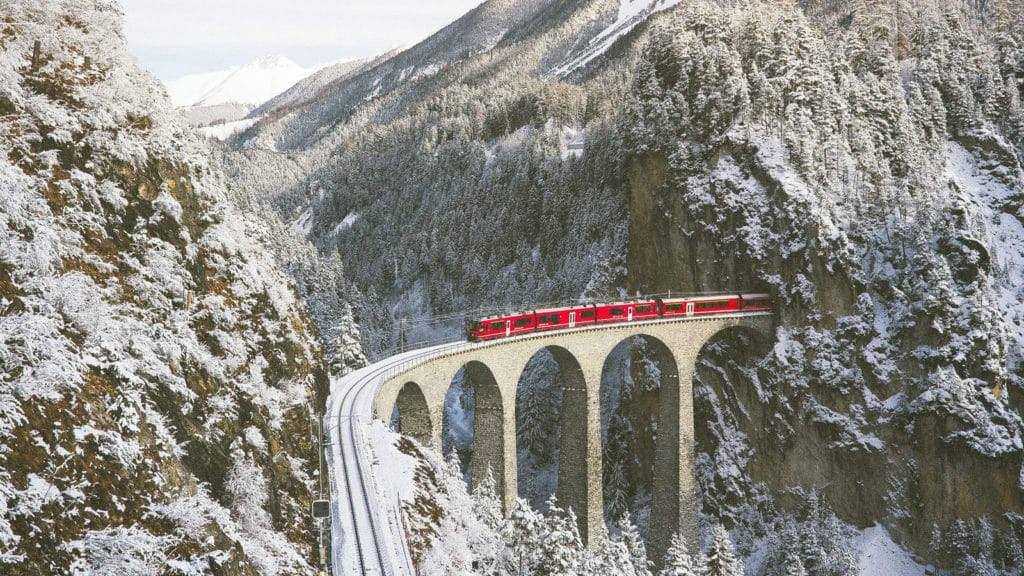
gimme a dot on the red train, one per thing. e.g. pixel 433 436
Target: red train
pixel 515 324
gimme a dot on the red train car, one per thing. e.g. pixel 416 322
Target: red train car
pixel 560 318
pixel 671 307
pixel 715 304
pixel 627 311
pixel 514 324
pixel 757 302
pixel 501 326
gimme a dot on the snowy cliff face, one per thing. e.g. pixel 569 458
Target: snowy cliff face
pixel 156 369
pixel 875 187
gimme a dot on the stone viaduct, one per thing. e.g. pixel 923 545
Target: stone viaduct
pixel 494 368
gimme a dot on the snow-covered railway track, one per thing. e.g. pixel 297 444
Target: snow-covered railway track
pixel 354 477
pixel 368 537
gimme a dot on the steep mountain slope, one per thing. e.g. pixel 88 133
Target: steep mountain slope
pixel 308 88
pixel 157 372
pixel 477 32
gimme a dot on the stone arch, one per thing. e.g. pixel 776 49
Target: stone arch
pixel 675 498
pixel 488 439
pixel 649 363
pixel 576 488
pixel 414 413
pixel 726 395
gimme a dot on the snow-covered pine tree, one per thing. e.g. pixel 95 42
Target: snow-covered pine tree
pixel 616 486
pixel 346 354
pixel 721 559
pixel 792 566
pixel 486 505
pixel 635 545
pixel 561 550
pixel 524 533
pixel 679 562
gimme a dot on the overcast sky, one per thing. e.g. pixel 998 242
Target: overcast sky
pixel 178 37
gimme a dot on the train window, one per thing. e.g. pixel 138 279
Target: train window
pixel 757 302
pixel 643 308
pixel 673 307
pixel 483 326
pixel 587 314
pixel 522 322
pixel 711 305
pixel 497 325
pixel 616 311
pixel 548 318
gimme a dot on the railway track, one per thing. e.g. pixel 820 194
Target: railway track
pixel 370 539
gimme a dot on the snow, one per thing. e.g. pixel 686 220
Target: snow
pixel 572 142
pixel 392 468
pixel 878 555
pixel 631 13
pixel 227 129
pixel 1005 233
pixel 345 223
pixel 253 83
pixel 303 225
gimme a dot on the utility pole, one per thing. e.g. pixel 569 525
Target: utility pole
pixel 401 335
pixel 36 47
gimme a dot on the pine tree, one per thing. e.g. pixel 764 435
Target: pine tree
pixel 793 566
pixel 722 560
pixel 524 533
pixel 486 505
pixel 561 547
pixel 635 544
pixel 678 561
pixel 616 485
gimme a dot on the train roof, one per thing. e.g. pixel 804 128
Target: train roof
pixel 564 308
pixel 503 316
pixel 626 302
pixel 757 295
pixel 700 298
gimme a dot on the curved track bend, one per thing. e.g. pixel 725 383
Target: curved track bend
pixel 367 534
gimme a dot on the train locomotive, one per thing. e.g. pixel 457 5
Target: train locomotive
pixel 541 320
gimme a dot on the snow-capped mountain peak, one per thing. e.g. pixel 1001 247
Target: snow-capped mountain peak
pixel 251 84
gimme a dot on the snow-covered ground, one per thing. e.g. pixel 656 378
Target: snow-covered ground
pixel 228 129
pixel 631 13
pixel 878 555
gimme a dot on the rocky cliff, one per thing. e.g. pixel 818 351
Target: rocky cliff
pixel 875 188
pixel 157 373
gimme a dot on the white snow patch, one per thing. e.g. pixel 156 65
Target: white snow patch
pixel 345 223
pixel 303 225
pixel 878 555
pixel 631 13
pixel 227 129
pixel 572 141
pixel 392 468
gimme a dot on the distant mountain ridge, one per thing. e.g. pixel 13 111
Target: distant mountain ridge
pixel 252 83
